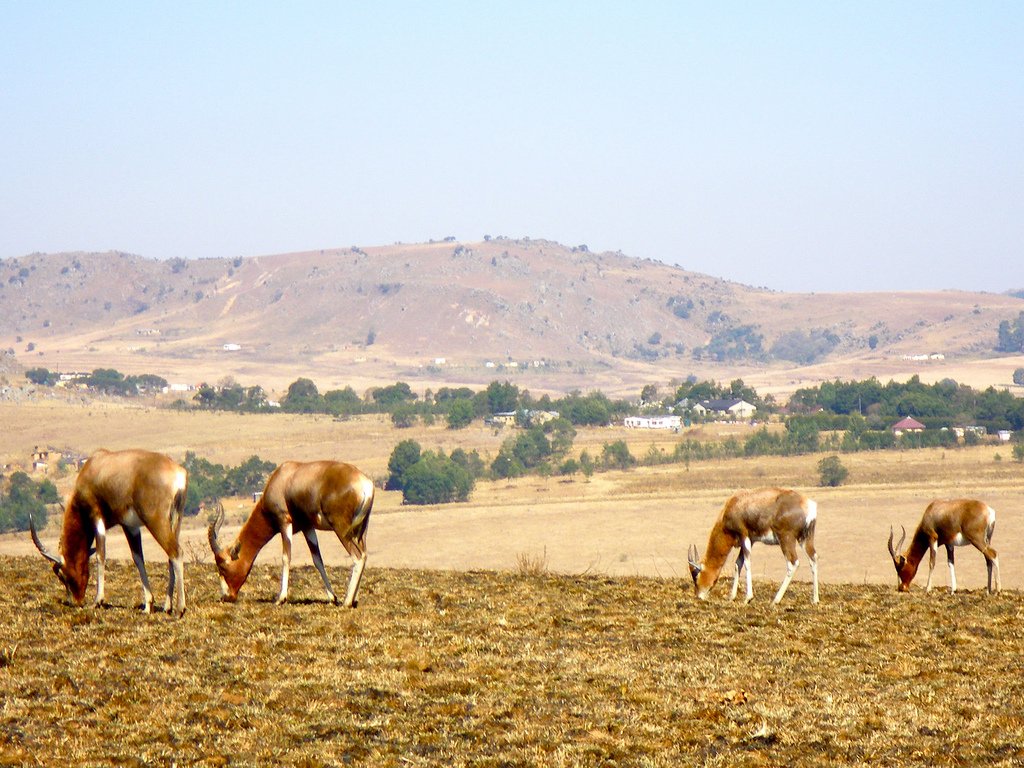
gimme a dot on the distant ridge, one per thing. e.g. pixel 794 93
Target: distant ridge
pixel 499 302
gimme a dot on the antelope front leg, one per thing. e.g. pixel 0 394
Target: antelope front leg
pixel 101 559
pixel 736 575
pixel 932 551
pixel 286 560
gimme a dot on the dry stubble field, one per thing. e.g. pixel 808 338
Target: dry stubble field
pixel 459 654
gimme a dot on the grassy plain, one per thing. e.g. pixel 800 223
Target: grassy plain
pixel 542 623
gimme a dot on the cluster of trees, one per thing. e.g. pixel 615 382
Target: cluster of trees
pixel 20 497
pixel 458 406
pixel 208 482
pixel 106 380
pixel 431 477
pixel 943 404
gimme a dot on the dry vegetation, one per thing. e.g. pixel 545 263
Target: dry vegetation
pixel 506 669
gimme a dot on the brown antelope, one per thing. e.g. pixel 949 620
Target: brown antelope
pixel 768 515
pixel 947 523
pixel 134 489
pixel 306 497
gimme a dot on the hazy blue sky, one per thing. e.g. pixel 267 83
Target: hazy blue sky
pixel 799 146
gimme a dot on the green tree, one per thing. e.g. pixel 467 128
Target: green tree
pixel 616 455
pixel 248 477
pixel 436 479
pixel 460 414
pixel 42 376
pixel 403 456
pixel 831 472
pixel 302 397
pixel 1018 376
pixel 387 398
pixel 22 499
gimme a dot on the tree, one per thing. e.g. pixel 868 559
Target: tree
pixel 460 414
pixel 436 479
pixel 831 472
pixel 302 397
pixel 393 395
pixel 248 477
pixel 403 456
pixel 617 456
pixel 1018 376
pixel 42 376
pixel 22 499
pixel 404 415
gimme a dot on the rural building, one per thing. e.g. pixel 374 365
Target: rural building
pixel 508 418
pixel 909 424
pixel 653 422
pixel 732 407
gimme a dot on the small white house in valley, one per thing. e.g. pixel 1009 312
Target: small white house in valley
pixel 732 407
pixel 653 422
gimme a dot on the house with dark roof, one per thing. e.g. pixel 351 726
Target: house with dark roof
pixel 732 407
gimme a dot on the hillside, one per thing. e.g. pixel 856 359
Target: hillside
pixel 455 311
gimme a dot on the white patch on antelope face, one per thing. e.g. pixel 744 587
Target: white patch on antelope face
pixel 223 587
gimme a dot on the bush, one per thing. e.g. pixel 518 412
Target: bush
pixel 404 455
pixel 831 472
pixel 436 479
pixel 23 498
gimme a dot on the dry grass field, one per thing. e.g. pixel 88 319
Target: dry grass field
pixel 542 623
pixel 486 668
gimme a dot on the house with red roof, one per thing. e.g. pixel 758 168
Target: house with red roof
pixel 909 424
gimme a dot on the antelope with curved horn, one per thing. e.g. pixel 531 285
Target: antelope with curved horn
pixel 300 497
pixel 768 515
pixel 947 523
pixel 135 489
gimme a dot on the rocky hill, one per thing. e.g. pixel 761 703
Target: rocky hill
pixel 480 305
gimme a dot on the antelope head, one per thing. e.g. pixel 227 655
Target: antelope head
pixel 903 571
pixel 74 575
pixel 229 584
pixel 696 568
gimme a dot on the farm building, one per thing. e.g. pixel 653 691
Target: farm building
pixel 652 422
pixel 908 424
pixel 733 407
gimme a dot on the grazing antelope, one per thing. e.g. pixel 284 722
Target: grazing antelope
pixel 134 489
pixel 947 523
pixel 306 497
pixel 768 515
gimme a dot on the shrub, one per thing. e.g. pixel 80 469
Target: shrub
pixel 831 472
pixel 23 498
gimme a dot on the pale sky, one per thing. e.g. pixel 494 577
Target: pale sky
pixel 802 146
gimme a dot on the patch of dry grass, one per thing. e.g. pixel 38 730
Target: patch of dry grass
pixel 499 669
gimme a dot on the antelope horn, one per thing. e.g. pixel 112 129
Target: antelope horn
pixel 214 529
pixel 892 551
pixel 39 545
pixel 693 557
pixel 902 539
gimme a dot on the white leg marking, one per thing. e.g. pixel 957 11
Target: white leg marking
pixel 814 576
pixel 101 558
pixel 790 570
pixel 286 560
pixel 353 582
pixel 952 578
